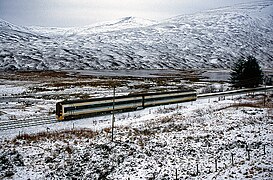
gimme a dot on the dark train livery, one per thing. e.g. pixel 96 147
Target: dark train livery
pixel 83 108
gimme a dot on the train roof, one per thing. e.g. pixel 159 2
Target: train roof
pixel 123 96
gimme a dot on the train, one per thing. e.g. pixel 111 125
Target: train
pixel 74 109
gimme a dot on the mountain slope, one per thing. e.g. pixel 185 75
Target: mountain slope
pixel 208 39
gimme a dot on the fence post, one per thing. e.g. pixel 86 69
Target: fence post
pixel 232 160
pixel 197 169
pixel 176 174
pixel 246 147
pixel 248 154
pixel 216 164
pixel 264 148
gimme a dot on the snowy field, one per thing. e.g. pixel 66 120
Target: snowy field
pixel 193 140
pixel 25 95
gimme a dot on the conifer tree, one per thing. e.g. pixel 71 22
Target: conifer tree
pixel 246 72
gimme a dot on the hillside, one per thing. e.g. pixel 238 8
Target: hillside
pixel 208 39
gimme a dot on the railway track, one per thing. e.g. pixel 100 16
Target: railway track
pixel 28 122
pixel 234 92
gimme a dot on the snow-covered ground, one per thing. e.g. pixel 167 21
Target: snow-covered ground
pixel 34 94
pixel 183 140
pixel 212 38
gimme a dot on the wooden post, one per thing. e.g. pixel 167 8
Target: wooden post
pixel 216 164
pixel 264 92
pixel 197 169
pixel 176 174
pixel 113 117
pixel 264 100
pixel 264 148
pixel 232 160
pixel 248 155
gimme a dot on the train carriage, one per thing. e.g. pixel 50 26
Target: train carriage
pixel 83 108
pixel 155 99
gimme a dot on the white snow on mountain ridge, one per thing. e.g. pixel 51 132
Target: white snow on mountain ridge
pixel 120 24
pixel 212 38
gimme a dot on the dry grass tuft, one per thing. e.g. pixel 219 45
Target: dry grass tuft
pixel 57 135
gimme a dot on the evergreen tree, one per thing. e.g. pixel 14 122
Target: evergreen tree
pixel 246 72
pixel 237 72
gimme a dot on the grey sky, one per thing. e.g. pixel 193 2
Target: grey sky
pixel 64 13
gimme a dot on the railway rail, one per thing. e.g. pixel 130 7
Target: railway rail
pixel 234 92
pixel 28 122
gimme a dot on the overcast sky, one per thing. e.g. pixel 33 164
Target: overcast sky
pixel 65 13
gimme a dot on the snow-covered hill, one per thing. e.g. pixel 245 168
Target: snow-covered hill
pixel 212 38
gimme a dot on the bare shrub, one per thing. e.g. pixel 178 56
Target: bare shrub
pixel 166 119
pixel 68 149
pixel 107 131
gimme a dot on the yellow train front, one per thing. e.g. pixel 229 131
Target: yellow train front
pixel 96 106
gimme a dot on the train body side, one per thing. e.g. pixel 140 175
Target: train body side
pixel 84 108
pixel 175 97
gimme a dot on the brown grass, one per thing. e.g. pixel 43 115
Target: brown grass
pixel 81 83
pixel 57 135
pixel 32 75
pixel 61 79
pixel 254 105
